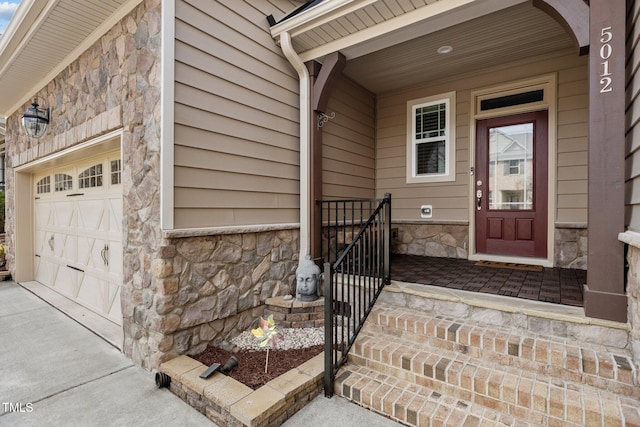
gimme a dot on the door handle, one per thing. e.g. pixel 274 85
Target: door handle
pixel 105 255
pixel 479 199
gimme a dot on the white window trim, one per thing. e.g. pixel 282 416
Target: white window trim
pixel 449 99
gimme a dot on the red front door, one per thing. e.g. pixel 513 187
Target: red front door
pixel 511 185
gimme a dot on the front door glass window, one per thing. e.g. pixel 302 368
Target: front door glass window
pixel 511 167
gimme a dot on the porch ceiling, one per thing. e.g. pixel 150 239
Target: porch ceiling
pixel 44 36
pixel 517 33
pixel 391 44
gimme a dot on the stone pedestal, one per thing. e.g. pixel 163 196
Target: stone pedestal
pixel 294 313
pixel 633 292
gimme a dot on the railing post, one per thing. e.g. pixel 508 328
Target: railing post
pixel 387 239
pixel 328 330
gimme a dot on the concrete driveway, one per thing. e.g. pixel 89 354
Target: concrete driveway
pixel 55 372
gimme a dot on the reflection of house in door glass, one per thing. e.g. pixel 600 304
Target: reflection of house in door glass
pixel 511 167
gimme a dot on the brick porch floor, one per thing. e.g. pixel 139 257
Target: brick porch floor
pixel 556 285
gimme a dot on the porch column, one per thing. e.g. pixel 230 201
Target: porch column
pixel 604 295
pixel 323 78
pixel 316 169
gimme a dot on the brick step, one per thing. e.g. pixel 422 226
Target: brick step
pixel 602 367
pixel 536 398
pixel 515 314
pixel 413 405
pixel 406 402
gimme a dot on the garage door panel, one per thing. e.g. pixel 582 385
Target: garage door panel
pixel 40 239
pixel 55 245
pixel 115 311
pixel 43 214
pixel 38 268
pixel 86 251
pixel 111 298
pixel 94 253
pixel 65 281
pixel 115 258
pixel 65 248
pixel 64 214
pixel 101 296
pixel 91 294
pixel 91 216
pixel 45 271
pixel 115 216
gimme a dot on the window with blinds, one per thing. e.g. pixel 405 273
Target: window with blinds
pixel 431 139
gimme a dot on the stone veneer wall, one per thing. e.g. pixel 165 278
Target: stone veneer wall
pixel 633 291
pixel 571 246
pixel 452 241
pixel 208 289
pixel 439 240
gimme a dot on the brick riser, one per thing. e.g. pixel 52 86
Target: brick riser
pixel 425 371
pixel 566 359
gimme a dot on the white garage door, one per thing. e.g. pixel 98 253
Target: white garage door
pixel 78 232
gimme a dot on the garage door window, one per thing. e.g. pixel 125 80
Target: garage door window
pixel 64 182
pixel 91 177
pixel 44 185
pixel 115 172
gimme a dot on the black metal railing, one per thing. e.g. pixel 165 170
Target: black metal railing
pixel 357 251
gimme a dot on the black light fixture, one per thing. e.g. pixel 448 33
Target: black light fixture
pixel 35 120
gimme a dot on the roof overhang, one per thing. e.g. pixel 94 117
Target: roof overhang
pixel 359 27
pixel 44 37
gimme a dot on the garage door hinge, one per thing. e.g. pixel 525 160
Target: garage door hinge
pixel 75 268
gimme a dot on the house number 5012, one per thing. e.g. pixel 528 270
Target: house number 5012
pixel 605 54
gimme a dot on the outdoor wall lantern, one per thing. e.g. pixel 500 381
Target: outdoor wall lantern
pixel 35 120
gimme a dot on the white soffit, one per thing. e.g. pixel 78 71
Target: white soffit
pixel 358 27
pixel 44 37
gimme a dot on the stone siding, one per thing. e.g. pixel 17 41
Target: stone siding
pixel 571 247
pixel 438 240
pixel 452 241
pixel 633 291
pixel 206 290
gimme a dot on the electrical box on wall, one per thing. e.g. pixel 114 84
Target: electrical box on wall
pixel 426 211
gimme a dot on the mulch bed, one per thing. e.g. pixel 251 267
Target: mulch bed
pixel 250 369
